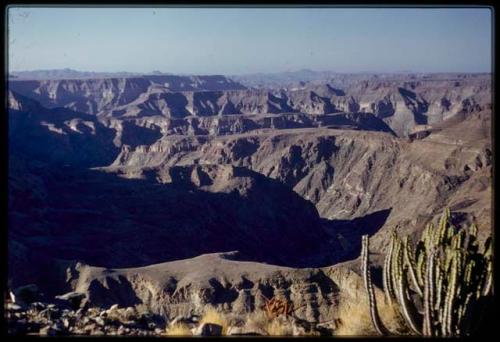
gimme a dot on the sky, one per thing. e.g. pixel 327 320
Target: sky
pixel 249 40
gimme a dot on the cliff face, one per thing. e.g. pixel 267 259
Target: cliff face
pixel 186 287
pixel 399 104
pixel 346 174
pixel 96 95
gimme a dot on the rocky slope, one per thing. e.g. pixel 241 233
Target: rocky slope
pixel 184 289
pixel 349 174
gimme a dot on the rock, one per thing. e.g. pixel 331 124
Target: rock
pixel 100 321
pixel 50 313
pixel 66 322
pixel 78 331
pixel 74 299
pixel 208 329
pixel 121 330
pixel 47 331
pixel 298 330
pixel 14 307
pixel 25 294
pixel 37 306
pixel 181 320
pixel 130 313
pixel 245 331
pixel 90 327
pixel 59 327
pixel 93 312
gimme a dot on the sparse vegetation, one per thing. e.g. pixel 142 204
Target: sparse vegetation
pixel 178 329
pixel 441 287
pixel 278 327
pixel 211 315
pixel 356 321
pixel 141 309
pixel 257 318
pixel 276 307
pixel 349 326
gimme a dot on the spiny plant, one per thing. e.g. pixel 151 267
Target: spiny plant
pixel 441 286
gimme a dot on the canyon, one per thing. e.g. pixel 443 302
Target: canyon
pixel 179 192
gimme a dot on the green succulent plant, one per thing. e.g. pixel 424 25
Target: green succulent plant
pixel 441 286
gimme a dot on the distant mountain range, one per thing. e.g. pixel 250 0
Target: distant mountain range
pixel 338 79
pixel 67 73
pixel 286 79
pixel 254 78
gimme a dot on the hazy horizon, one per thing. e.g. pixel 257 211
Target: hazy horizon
pixel 253 73
pixel 239 41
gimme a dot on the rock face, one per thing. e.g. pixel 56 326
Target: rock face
pixel 187 287
pixel 140 190
pixel 95 95
pixel 349 174
pixel 401 104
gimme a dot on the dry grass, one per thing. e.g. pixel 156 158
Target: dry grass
pixel 257 318
pixel 355 318
pixel 391 317
pixel 272 327
pixel 178 329
pixel 278 327
pixel 211 315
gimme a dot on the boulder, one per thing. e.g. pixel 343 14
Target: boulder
pixel 130 313
pixel 47 331
pixel 245 331
pixel 14 307
pixel 100 321
pixel 182 320
pixel 208 329
pixel 50 313
pixel 73 299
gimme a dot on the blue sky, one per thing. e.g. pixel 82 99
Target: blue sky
pixel 247 40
